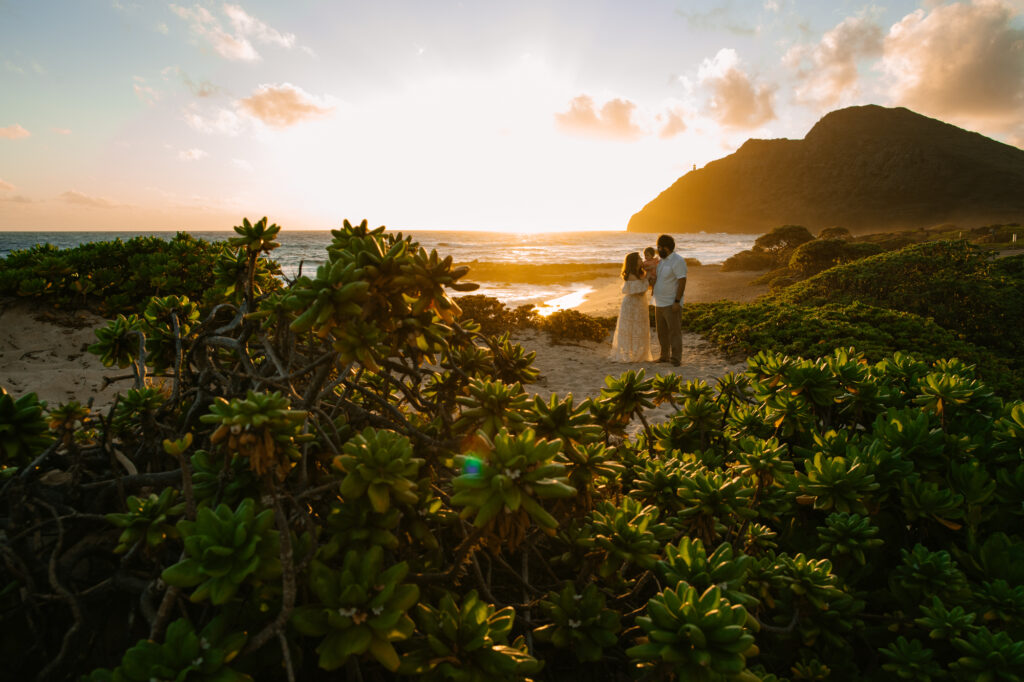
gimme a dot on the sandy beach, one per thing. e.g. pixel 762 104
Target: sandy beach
pixel 44 350
pixel 704 284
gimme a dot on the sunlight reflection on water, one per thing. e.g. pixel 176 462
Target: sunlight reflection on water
pixel 564 302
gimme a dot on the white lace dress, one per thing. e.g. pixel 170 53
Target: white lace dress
pixel 632 340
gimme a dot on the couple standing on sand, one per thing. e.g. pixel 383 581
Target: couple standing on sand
pixel 665 276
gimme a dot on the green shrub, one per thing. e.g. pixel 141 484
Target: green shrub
pixel 120 276
pixel 569 326
pixel 954 283
pixel 834 233
pixel 748 260
pixel 812 257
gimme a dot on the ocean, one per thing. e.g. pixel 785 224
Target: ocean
pixel 515 268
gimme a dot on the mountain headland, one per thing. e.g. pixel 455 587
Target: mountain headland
pixel 865 168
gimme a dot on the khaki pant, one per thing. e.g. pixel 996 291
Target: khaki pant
pixel 670 332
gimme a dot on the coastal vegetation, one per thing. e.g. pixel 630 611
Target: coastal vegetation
pixel 342 474
pixel 936 299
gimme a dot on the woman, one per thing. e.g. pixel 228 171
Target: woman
pixel 632 340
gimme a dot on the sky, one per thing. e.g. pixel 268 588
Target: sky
pixel 526 116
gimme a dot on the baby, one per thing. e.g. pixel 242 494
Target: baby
pixel 650 264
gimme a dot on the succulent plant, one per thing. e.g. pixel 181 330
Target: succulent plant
pixel 379 465
pixel 117 343
pixel 626 396
pixel 362 609
pixel 507 485
pixel 580 621
pixel 923 573
pixel 355 525
pixel 710 499
pixel 988 656
pixel 698 636
pixel 137 408
pixel 467 641
pixel 943 623
pixel 24 432
pixel 848 534
pixel 688 561
pixel 262 428
pixel 837 483
pixel 765 462
pixel 513 364
pixel 560 419
pixel 217 477
pixel 224 549
pixel 623 535
pixel 69 420
pixel 148 519
pixel 256 237
pixel 490 407
pixel 184 655
pixel 161 337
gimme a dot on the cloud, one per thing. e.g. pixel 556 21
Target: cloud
pixel 242 164
pixel 62 131
pixel 220 122
pixel 674 124
pixel 81 199
pixel 16 199
pixel 715 18
pixel 144 92
pixel 13 132
pixel 236 46
pixel 614 121
pixel 828 70
pixel 192 154
pixel 248 25
pixel 962 60
pixel 282 105
pixel 204 89
pixel 735 102
pixel 6 186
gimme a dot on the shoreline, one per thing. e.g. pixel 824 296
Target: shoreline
pixel 44 350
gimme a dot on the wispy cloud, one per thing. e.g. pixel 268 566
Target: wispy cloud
pixel 6 186
pixel 221 121
pixel 62 131
pixel 144 92
pixel 16 199
pixel 612 121
pixel 717 18
pixel 192 154
pixel 282 105
pixel 236 45
pixel 735 101
pixel 13 132
pixel 82 199
pixel 202 89
pixel 248 25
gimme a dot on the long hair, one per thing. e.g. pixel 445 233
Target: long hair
pixel 631 266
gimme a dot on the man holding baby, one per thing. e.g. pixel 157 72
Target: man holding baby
pixel 669 285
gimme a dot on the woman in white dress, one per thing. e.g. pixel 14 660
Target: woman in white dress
pixel 632 340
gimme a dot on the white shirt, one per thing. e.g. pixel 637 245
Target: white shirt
pixel 670 271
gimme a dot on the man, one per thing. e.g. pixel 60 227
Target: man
pixel 668 300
